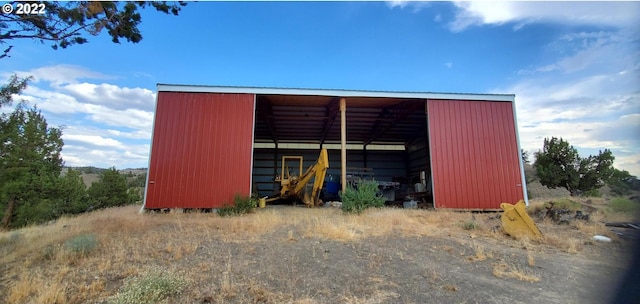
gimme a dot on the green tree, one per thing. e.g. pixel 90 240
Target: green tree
pixel 69 23
pixel 559 165
pixel 621 182
pixel 556 165
pixel 110 191
pixel 14 87
pixel 595 170
pixel 138 180
pixel 30 165
pixel 72 194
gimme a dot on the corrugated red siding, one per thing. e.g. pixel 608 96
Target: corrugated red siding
pixel 474 154
pixel 201 150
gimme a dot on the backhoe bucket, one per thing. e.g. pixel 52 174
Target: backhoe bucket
pixel 517 223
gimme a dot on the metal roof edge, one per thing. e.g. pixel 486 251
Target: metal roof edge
pixel 331 92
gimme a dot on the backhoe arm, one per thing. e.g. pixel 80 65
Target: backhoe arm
pixel 319 171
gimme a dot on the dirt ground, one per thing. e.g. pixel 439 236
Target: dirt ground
pixel 290 254
pixel 458 268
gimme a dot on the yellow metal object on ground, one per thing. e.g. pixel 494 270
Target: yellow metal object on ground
pixel 262 202
pixel 516 222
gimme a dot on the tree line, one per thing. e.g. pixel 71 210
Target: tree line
pixel 32 187
pixel 558 164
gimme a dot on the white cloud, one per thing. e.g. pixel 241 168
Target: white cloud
pixel 619 135
pixel 476 13
pixel 52 101
pixel 132 118
pixel 416 5
pixel 625 131
pixel 112 96
pixel 59 103
pixel 86 145
pixel 87 130
pixel 93 140
pixel 73 159
pixel 61 74
pixel 132 156
pixel 104 124
pixel 588 96
pixel 394 4
pixel 138 134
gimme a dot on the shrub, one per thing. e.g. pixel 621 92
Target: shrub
pixel 592 193
pixel 565 203
pixel 470 225
pixel 365 196
pixel 241 205
pixel 620 204
pixel 48 252
pixel 110 191
pixel 82 244
pixel 151 287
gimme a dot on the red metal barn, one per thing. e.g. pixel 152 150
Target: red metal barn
pixel 211 143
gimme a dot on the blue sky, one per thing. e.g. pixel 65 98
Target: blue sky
pixel 574 66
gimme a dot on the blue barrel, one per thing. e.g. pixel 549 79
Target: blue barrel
pixel 333 185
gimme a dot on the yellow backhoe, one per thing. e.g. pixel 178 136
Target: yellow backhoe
pixel 295 186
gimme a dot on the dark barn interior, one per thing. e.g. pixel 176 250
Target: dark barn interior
pixel 386 140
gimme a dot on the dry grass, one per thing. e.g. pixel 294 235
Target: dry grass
pixel 593 228
pixel 572 237
pixel 41 268
pixel 38 269
pixel 35 286
pixel 508 270
pixel 450 287
pixel 378 296
pixel 598 208
pixel 332 224
pixel 569 245
pixel 480 254
pixel 45 272
pixel 531 261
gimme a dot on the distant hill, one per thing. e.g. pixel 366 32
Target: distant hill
pixel 134 171
pixel 96 170
pixel 91 174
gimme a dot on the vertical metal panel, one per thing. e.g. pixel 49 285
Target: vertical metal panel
pixel 474 154
pixel 201 152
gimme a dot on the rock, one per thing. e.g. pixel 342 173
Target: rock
pixel 601 238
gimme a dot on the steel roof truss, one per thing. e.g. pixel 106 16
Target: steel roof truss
pixel 392 114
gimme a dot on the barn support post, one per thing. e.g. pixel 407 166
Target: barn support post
pixel 275 165
pixel 364 155
pixel 427 150
pixel 428 154
pixel 343 142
